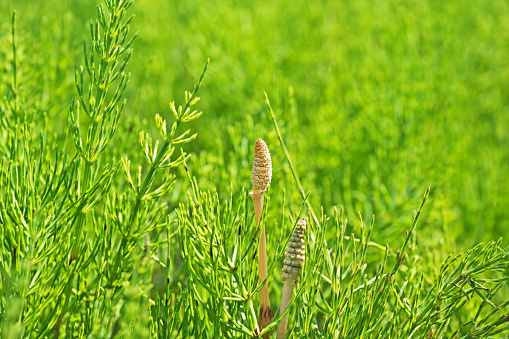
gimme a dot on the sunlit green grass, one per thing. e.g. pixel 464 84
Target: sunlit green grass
pixel 375 100
pixel 388 96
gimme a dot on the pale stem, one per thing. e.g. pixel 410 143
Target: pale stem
pixel 265 314
pixel 285 301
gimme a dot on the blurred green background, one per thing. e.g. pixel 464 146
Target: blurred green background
pixel 376 99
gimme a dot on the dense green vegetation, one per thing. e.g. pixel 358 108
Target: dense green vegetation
pixel 375 102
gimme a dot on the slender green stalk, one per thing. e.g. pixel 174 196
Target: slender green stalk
pixel 162 157
pixel 14 65
pixel 401 252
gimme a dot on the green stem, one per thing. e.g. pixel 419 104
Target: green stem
pixel 66 302
pixel 14 66
pixel 145 186
pixel 168 143
pixel 87 178
pixel 146 182
pixel 412 228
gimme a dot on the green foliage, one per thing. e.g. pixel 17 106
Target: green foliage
pixel 109 228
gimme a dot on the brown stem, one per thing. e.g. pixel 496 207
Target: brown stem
pixel 266 313
pixel 258 205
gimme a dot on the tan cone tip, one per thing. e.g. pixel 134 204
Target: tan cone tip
pixel 262 168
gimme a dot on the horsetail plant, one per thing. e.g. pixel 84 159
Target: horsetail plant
pixel 88 252
pixel 393 303
pixel 49 197
pixel 294 259
pixel 159 158
pixel 105 63
pixel 260 179
pixel 104 70
pixel 68 233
